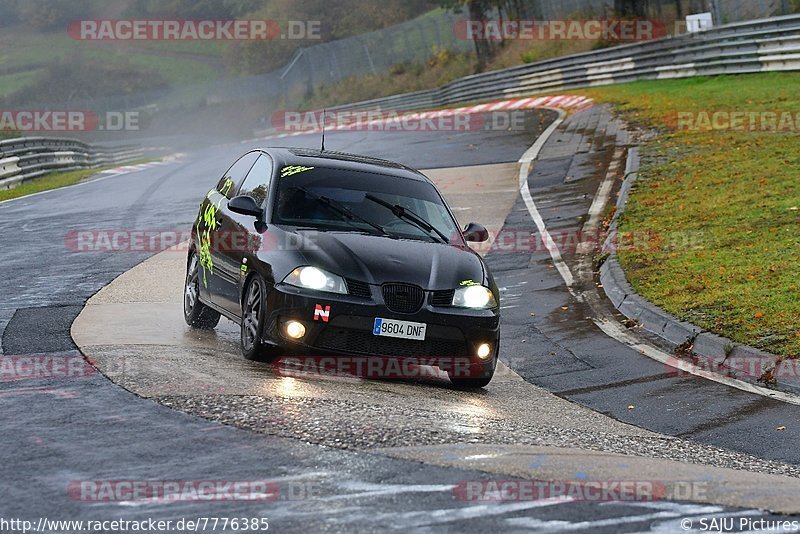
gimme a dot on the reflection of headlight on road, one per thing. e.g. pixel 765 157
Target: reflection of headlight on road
pixel 287 386
pixel 314 278
pixel 474 297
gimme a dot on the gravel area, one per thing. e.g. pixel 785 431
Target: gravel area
pixel 351 425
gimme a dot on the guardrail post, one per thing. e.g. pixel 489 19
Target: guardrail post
pixel 716 9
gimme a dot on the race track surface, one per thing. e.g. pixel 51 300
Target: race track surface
pixel 58 431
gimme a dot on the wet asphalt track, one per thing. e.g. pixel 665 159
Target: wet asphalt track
pixel 90 429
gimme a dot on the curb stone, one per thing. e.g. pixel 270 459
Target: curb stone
pixel 716 353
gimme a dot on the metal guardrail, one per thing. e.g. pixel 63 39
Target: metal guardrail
pixel 28 157
pixel 755 46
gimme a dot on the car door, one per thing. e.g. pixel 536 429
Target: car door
pixel 213 237
pixel 239 235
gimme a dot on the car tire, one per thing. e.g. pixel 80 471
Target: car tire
pixel 476 382
pixel 471 383
pixel 254 312
pixel 196 314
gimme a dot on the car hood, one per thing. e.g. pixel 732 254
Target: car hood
pixel 377 259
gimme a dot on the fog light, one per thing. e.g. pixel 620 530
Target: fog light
pixel 484 350
pixel 295 329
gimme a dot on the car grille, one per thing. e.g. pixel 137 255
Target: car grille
pixel 403 298
pixel 442 298
pixel 358 341
pixel 358 289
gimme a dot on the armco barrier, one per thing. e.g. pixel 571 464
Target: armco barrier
pixel 755 46
pixel 28 157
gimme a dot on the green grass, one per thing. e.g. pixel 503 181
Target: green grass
pixel 55 180
pixel 26 54
pixel 176 70
pixel 10 83
pixel 211 49
pixel 723 207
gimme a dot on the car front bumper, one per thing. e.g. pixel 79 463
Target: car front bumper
pixel 343 325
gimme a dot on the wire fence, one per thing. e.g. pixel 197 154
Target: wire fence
pixel 377 52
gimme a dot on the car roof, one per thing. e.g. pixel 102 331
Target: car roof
pixel 284 156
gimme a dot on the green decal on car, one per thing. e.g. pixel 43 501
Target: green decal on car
pixel 206 223
pixel 226 188
pixel 468 283
pixel 293 169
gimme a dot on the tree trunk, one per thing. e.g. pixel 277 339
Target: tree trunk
pixel 631 8
pixel 534 10
pixel 483 49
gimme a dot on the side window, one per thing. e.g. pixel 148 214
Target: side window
pixel 256 184
pixel 227 184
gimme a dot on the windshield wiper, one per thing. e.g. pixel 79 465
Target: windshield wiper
pixel 342 210
pixel 409 216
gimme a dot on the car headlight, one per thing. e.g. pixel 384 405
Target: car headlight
pixel 314 278
pixel 474 297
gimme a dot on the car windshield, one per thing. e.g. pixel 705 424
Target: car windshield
pixel 348 200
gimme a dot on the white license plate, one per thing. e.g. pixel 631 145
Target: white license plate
pixel 401 329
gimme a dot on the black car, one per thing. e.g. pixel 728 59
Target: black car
pixel 319 252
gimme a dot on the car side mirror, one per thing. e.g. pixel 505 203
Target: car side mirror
pixel 245 205
pixel 476 232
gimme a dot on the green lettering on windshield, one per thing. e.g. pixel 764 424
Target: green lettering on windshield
pixel 293 169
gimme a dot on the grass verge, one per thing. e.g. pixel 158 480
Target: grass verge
pixel 723 205
pixel 56 180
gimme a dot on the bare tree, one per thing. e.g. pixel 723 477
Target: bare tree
pixel 478 11
pixel 631 8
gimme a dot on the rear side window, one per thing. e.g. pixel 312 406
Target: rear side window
pixel 227 184
pixel 256 184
